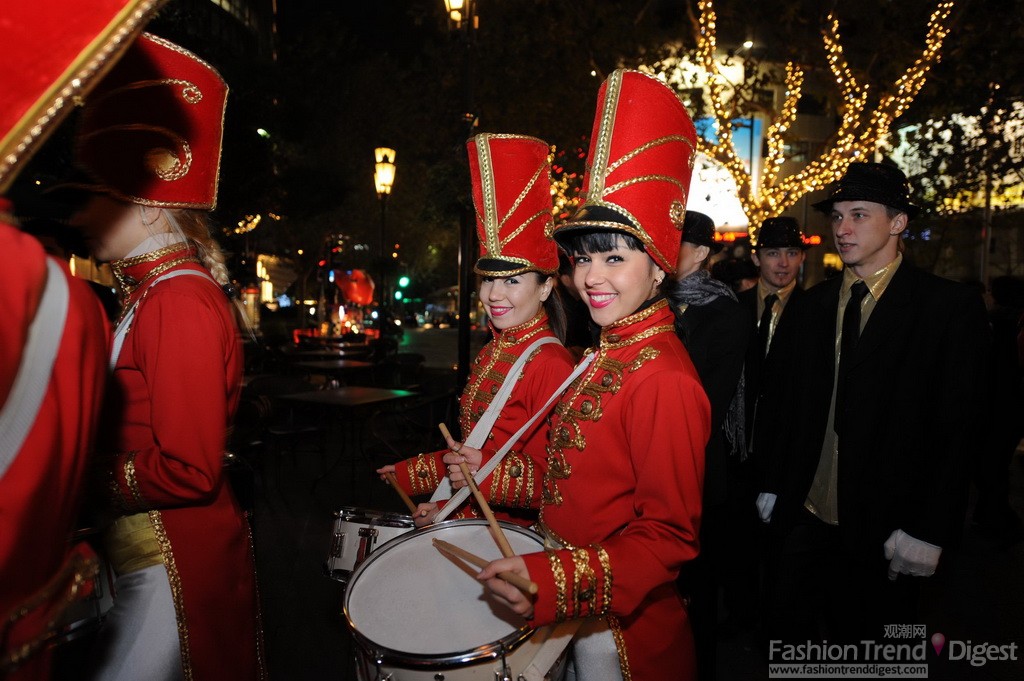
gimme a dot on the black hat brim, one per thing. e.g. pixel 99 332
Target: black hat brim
pixel 848 193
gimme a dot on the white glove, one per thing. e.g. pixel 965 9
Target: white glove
pixel 765 506
pixel 910 556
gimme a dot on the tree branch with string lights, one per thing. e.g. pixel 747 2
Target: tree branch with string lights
pixel 865 120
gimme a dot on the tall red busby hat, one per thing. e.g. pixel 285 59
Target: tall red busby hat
pixel 639 166
pixel 151 132
pixel 511 179
pixel 54 52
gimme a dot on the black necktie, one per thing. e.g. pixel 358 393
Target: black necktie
pixel 765 325
pixel 848 343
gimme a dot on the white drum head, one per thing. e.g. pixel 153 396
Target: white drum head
pixel 411 599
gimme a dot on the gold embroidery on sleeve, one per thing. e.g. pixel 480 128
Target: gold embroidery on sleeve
pixel 423 475
pixel 584 584
pixel 558 573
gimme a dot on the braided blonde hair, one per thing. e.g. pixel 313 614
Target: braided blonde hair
pixel 195 227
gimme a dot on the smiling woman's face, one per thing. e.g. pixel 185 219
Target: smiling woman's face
pixel 511 301
pixel 615 283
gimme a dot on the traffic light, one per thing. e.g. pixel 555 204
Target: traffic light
pixel 403 282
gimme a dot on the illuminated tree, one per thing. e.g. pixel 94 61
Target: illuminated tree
pixel 865 119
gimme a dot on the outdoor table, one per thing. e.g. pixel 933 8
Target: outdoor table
pixel 349 407
pixel 337 369
pixel 348 353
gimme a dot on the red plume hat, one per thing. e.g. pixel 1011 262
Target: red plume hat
pixel 151 132
pixel 511 179
pixel 639 165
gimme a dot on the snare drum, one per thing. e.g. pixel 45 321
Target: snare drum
pixel 357 533
pixel 418 615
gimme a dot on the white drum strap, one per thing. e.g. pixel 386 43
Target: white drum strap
pixel 544 659
pixel 19 413
pixel 490 465
pixel 478 436
pixel 121 332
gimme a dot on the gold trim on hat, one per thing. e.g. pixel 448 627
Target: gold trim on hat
pixel 650 145
pixel 489 219
pixel 652 251
pixel 181 166
pixel 88 67
pixel 527 266
pixel 493 243
pixel 599 165
pixel 190 92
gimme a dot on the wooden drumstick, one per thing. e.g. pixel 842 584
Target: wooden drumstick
pixel 410 504
pixel 525 585
pixel 499 535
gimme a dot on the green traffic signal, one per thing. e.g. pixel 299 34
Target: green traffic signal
pixel 403 281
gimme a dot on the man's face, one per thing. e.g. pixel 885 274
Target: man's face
pixel 866 237
pixel 779 266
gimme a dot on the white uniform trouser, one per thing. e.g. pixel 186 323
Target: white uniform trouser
pixel 139 637
pixel 592 654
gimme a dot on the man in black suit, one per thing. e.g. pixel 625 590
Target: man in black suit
pixel 877 374
pixel 779 253
pixel 716 332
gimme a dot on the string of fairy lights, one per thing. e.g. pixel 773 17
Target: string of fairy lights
pixel 858 135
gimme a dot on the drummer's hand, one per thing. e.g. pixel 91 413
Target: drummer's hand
pixel 424 514
pixel 459 453
pixel 384 470
pixel 508 594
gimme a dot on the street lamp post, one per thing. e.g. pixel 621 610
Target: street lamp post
pixel 462 18
pixel 383 180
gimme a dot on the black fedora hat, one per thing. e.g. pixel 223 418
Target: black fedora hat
pixel 783 232
pixel 699 229
pixel 876 182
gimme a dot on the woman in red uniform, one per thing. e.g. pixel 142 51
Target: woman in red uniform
pixel 512 195
pixel 621 495
pixel 186 604
pixel 43 465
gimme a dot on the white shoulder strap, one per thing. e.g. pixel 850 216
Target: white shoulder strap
pixel 21 409
pixel 491 464
pixel 121 332
pixel 478 436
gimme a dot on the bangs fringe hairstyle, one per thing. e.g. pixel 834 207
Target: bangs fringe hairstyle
pixel 598 241
pixel 602 241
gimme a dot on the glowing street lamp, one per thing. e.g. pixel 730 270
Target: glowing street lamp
pixel 462 20
pixel 383 180
pixel 457 11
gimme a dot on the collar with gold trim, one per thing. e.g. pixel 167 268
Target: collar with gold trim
pixel 131 273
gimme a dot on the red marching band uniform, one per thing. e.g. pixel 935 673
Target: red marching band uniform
pixel 151 135
pixel 41 490
pixel 512 195
pixel 624 466
pixel 55 51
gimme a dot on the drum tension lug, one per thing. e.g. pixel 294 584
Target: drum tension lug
pixel 505 674
pixel 381 676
